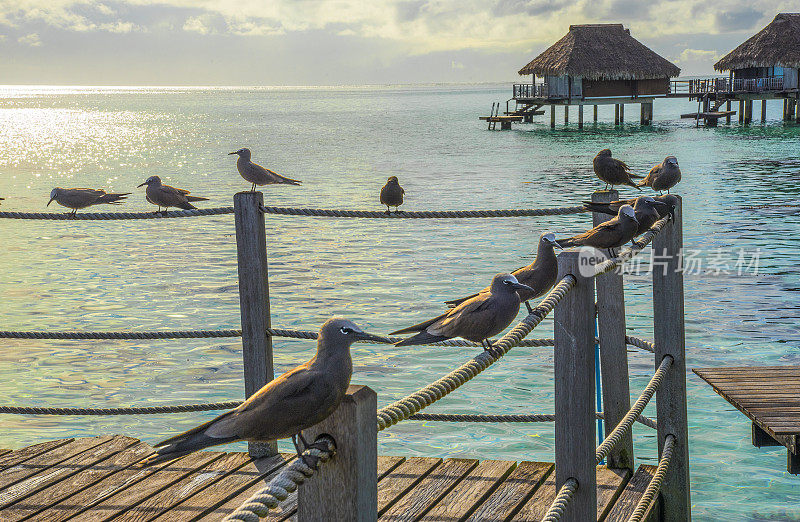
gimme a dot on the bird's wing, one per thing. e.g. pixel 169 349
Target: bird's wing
pixel 273 174
pixel 175 191
pixel 622 164
pixel 454 321
pixel 421 326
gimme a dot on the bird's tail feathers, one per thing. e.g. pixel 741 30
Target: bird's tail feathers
pixel 455 302
pixel 195 198
pixel 420 326
pixel 187 206
pixel 422 338
pixel 113 198
pixel 566 242
pixel 290 181
pixel 603 208
pixel 635 176
pixel 188 442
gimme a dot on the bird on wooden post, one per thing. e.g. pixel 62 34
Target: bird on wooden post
pixel 256 174
pixel 608 235
pixel 663 176
pixel 647 210
pixel 476 319
pixel 77 198
pixel 284 407
pixel 612 171
pixel 392 194
pixel 540 275
pixel 166 196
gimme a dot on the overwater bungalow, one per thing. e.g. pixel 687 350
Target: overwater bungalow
pixel 594 64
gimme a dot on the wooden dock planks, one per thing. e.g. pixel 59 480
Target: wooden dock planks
pixel 101 478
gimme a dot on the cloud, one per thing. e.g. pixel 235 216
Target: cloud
pixel 31 39
pixel 737 20
pixel 695 55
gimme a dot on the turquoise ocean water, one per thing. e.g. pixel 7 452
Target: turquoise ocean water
pixel 343 143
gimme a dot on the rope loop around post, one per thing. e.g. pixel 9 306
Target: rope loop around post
pixel 559 505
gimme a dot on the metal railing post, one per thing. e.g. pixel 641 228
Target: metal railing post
pixel 251 248
pixel 669 337
pixel 573 358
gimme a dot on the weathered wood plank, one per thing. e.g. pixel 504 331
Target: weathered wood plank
pixel 4 451
pixel 228 487
pixel 23 454
pixel 471 492
pixel 430 490
pixel 60 473
pixel 625 505
pixel 67 487
pixel 520 485
pixel 129 497
pixel 402 479
pixel 38 464
pixel 386 464
pixel 193 483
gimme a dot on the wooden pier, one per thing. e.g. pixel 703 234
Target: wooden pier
pixel 770 397
pixel 100 478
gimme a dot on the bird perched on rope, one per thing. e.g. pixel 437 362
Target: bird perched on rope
pixel 540 275
pixel 256 174
pixel 77 198
pixel 392 194
pixel 607 235
pixel 476 319
pixel 663 176
pixel 647 210
pixel 166 196
pixel 612 171
pixel 284 407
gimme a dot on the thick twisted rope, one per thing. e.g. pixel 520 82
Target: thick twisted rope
pixel 640 343
pixel 627 421
pixel 278 489
pixel 638 245
pixel 542 417
pixel 408 406
pixel 103 216
pixel 425 214
pixel 143 410
pixel 561 501
pixel 655 484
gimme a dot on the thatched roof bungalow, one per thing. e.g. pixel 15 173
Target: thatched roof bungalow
pixel 770 58
pixel 600 60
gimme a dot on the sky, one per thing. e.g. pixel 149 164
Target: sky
pixel 341 42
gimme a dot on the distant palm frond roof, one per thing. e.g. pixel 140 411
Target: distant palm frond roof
pixel 778 44
pixel 598 51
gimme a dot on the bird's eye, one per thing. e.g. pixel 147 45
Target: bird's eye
pixel 506 282
pixel 345 330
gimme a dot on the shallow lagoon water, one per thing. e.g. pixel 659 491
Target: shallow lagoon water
pixel 343 143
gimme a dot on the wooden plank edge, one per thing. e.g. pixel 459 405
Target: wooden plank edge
pixel 411 486
pixel 491 489
pixel 551 469
pixel 610 504
pixel 474 464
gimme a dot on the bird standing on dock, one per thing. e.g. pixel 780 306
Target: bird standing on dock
pixel 166 196
pixel 540 275
pixel 612 171
pixel 663 176
pixel 476 319
pixel 256 174
pixel 285 406
pixel 392 194
pixel 647 209
pixel 77 198
pixel 607 235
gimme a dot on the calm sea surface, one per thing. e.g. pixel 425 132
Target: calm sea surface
pixel 344 143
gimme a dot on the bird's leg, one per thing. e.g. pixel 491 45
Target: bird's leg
pixel 312 464
pixel 488 346
pixel 606 188
pixel 387 210
pixel 530 308
pixel 253 188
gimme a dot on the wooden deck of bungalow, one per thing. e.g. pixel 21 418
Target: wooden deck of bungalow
pixel 100 478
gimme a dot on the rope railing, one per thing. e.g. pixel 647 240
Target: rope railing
pixel 408 406
pixel 140 410
pixel 542 417
pixel 561 501
pixel 645 503
pixel 105 216
pixel 285 482
pixel 424 214
pixel 627 421
pixel 640 343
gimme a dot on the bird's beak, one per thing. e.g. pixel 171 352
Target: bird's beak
pixel 231 153
pixel 520 286
pixel 364 336
pixel 660 204
pixel 142 185
pixel 553 242
pixel 48 203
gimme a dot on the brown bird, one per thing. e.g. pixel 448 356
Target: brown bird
pixel 669 203
pixel 647 209
pixel 608 235
pixel 663 176
pixel 392 194
pixel 166 196
pixel 77 198
pixel 540 275
pixel 256 174
pixel 476 319
pixel 612 171
pixel 285 406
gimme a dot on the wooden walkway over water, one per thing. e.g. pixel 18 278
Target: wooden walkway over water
pixel 99 478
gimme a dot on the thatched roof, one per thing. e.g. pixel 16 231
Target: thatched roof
pixel 597 51
pixel 778 44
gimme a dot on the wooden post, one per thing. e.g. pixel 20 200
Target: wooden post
pixel 785 109
pixel 573 358
pixel 613 350
pixel 595 113
pixel 251 249
pixel 345 487
pixel 748 112
pixel 763 110
pixel 566 114
pixel 616 114
pixel 642 115
pixel 741 111
pixel 797 108
pixel 728 108
pixel 552 116
pixel 669 335
pixel 580 116
pixel 621 113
